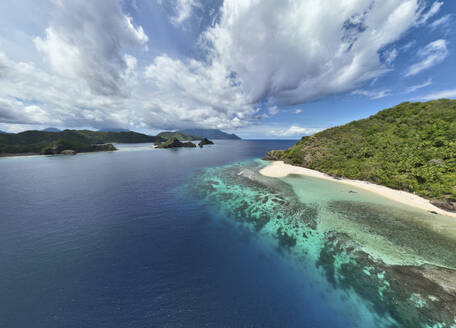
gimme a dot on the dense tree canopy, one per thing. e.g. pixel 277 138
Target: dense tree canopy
pixel 410 147
pixel 82 140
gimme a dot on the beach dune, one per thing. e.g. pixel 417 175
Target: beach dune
pixel 278 169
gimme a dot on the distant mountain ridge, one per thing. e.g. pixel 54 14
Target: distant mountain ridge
pixel 50 129
pixel 210 133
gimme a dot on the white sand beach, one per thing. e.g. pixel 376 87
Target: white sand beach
pixel 279 169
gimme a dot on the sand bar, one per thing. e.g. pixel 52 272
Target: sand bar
pixel 279 169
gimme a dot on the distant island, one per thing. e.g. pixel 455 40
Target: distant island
pixel 52 141
pixel 410 147
pixel 174 142
pixel 179 136
pixel 210 134
pixel 41 142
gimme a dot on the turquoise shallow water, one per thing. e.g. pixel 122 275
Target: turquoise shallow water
pixel 114 240
pixel 197 238
pixel 390 263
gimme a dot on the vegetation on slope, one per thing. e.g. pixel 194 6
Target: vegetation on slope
pixel 175 143
pixel 36 141
pixel 178 135
pixel 410 147
pixel 60 146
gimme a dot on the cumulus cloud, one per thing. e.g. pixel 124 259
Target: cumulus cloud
pixel 281 49
pixel 432 54
pixel 183 10
pixel 86 40
pixel 254 52
pixel 373 94
pixel 413 88
pixel 30 95
pixel 294 131
pixel 196 93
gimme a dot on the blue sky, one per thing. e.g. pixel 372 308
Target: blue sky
pixel 261 69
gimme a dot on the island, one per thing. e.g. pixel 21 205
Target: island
pixel 204 142
pixel 52 141
pixel 47 143
pixel 63 147
pixel 178 135
pixel 409 147
pixel 175 143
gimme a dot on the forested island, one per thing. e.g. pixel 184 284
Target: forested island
pixel 410 147
pixel 52 141
pixel 174 142
pixel 167 135
pixel 43 142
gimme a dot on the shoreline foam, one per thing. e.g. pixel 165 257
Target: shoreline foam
pixel 278 169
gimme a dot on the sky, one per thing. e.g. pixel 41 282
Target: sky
pixel 263 69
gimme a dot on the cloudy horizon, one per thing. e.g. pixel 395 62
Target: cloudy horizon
pixel 260 69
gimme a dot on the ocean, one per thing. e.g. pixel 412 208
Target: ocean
pixel 144 237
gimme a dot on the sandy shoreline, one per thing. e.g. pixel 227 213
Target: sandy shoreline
pixel 279 169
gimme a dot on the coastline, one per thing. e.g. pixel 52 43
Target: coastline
pixel 278 169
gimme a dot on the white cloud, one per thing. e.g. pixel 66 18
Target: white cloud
pixel 434 53
pixel 438 95
pixel 86 40
pixel 298 111
pixel 183 10
pixel 256 50
pixel 442 21
pixel 390 55
pixel 280 48
pixel 413 88
pixel 408 46
pixel 294 131
pixel 373 94
pixel 435 7
pixel 273 110
pixel 196 93
pixel 30 95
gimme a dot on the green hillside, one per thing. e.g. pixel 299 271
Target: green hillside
pixel 410 147
pixel 36 141
pixel 178 135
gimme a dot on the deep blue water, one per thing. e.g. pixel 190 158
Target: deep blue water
pixel 103 240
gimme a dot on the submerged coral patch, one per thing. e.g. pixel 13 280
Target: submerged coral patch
pixel 338 236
